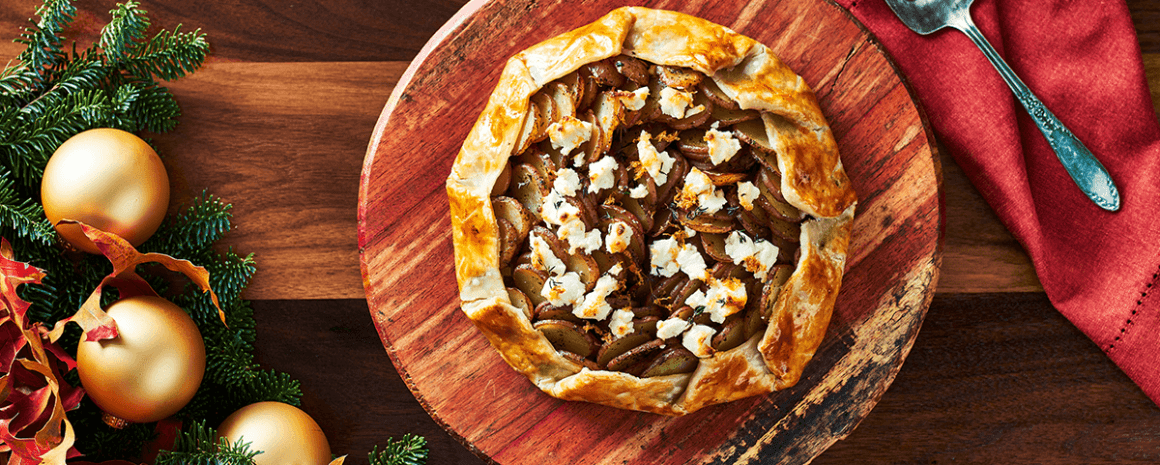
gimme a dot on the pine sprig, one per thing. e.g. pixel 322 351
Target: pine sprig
pixel 42 40
pixel 199 445
pixel 410 450
pixel 23 215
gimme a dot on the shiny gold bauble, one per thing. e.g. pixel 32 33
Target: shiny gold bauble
pixel 151 369
pixel 284 434
pixel 109 179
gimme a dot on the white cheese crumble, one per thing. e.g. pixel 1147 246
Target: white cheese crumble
pixel 621 323
pixel 639 192
pixel 567 182
pixel 668 257
pixel 602 174
pixel 557 210
pixel 634 100
pixel 563 290
pixel 692 263
pixel 697 340
pixel 663 253
pixel 658 164
pixel 747 193
pixel 543 258
pixel 725 297
pixel 674 102
pixel 722 145
pixel 699 191
pixel 594 305
pixel 672 327
pixel 619 236
pixel 577 235
pixel 569 133
pixel 758 256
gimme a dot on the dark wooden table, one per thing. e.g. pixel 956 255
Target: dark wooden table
pixel 277 124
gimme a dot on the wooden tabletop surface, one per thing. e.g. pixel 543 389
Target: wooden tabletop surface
pixel 278 121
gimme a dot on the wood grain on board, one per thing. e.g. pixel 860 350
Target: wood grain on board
pixel 411 290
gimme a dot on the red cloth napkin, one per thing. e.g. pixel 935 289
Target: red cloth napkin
pixel 1101 270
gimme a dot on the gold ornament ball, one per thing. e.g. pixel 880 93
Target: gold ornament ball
pixel 151 369
pixel 109 179
pixel 285 434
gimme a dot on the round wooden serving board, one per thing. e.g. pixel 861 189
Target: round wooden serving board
pixel 407 266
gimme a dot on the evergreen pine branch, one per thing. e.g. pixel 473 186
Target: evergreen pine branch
pixel 24 216
pixel 125 30
pixel 269 385
pixel 152 106
pixel 42 40
pixel 410 450
pixel 199 445
pixel 205 221
pixel 169 55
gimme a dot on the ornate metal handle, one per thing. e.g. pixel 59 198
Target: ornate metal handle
pixel 1087 172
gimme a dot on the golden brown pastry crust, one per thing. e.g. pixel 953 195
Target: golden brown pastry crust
pixel 815 182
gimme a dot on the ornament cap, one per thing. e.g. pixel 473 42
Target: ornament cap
pixel 114 421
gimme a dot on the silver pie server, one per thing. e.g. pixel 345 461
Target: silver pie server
pixel 927 16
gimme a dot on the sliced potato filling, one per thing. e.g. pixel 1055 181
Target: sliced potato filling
pixel 642 225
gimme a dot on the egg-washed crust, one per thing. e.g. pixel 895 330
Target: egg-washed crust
pixel 813 181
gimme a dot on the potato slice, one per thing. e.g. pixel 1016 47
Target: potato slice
pixel 682 293
pixel 541 161
pixel 585 266
pixel 530 281
pixel 642 213
pixel 507 208
pixel 726 117
pixel 668 190
pixel 604 73
pixel 564 99
pixel 509 242
pixel 772 182
pixel 777 208
pixel 752 133
pixel 680 78
pixel 632 68
pixel 577 359
pixel 548 110
pixel 521 301
pixel 673 360
pixel 714 93
pixel 706 223
pixel 692 144
pixel 619 346
pixel 609 112
pixel 611 213
pixel 636 356
pixel 756 228
pixel 662 292
pixel 567 336
pixel 546 311
pixel 731 334
pixel 790 231
pixel 591 148
pixel 535 127
pixel 559 249
pixel 529 189
pixel 650 311
pixel 725 178
pixel 714 246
